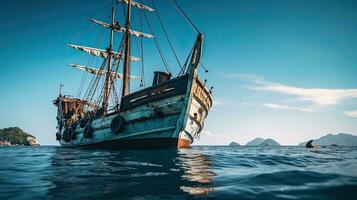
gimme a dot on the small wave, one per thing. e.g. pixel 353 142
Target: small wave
pixel 200 172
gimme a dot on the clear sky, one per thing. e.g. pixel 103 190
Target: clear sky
pixel 281 69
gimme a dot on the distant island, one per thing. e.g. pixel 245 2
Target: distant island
pixel 263 142
pixel 269 143
pixel 15 136
pixel 341 139
pixel 256 142
pixel 234 144
pixel 259 142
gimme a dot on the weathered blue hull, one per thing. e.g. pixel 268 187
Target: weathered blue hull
pixel 151 143
pixel 170 118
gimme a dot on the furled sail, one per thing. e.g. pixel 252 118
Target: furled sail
pixel 118 28
pixel 101 72
pixel 102 53
pixel 139 5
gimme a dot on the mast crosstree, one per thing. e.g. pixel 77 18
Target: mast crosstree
pixel 117 28
pixel 101 52
pixel 101 72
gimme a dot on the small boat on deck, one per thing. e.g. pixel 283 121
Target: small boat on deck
pixel 168 114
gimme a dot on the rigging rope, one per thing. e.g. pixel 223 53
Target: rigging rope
pixel 157 45
pixel 206 70
pixel 84 78
pixel 115 95
pixel 141 65
pixel 184 14
pixel 94 84
pixel 124 10
pixel 142 74
pixel 120 49
pixel 186 63
pixel 166 35
pixel 90 61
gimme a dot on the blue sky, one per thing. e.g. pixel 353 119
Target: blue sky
pixel 281 69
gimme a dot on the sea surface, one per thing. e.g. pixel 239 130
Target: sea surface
pixel 206 172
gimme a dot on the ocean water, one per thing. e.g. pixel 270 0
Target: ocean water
pixel 199 172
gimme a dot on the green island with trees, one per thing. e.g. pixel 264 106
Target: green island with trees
pixel 15 136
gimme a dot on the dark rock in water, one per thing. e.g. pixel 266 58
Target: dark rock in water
pixel 269 143
pixel 255 142
pixel 309 144
pixel 341 139
pixel 234 144
pixel 16 136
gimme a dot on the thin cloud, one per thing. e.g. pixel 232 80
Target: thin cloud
pixel 285 107
pixel 246 104
pixel 210 134
pixel 207 132
pixel 218 102
pixel 352 113
pixel 318 96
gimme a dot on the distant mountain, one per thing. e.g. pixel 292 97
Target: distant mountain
pixel 255 142
pixel 263 142
pixel 234 144
pixel 341 139
pixel 269 143
pixel 16 136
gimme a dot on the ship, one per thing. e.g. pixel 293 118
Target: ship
pixel 170 113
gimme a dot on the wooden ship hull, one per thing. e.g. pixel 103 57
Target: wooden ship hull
pixel 169 115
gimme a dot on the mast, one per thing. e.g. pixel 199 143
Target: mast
pixel 108 55
pixel 60 89
pixel 126 72
pixel 108 77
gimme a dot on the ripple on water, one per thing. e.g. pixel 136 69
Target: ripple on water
pixel 213 172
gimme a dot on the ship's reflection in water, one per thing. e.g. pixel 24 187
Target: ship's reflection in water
pixel 129 174
pixel 195 167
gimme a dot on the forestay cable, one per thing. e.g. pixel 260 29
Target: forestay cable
pixel 184 14
pixel 166 35
pixel 157 45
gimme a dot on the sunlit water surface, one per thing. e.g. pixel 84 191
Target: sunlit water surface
pixel 198 172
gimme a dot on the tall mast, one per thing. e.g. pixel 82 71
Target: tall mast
pixel 108 54
pixel 108 77
pixel 126 72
